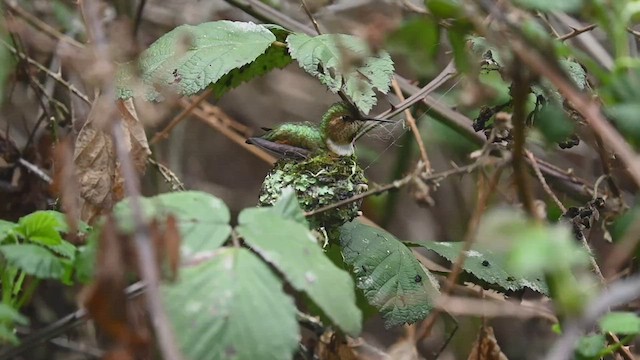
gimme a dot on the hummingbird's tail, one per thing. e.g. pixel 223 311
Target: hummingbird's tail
pixel 279 150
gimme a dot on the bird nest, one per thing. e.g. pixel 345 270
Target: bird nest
pixel 318 181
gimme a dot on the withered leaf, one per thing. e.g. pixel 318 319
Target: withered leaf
pixel 100 181
pixel 95 162
pixel 136 138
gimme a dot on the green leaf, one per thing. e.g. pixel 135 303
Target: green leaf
pixel 550 5
pixel 8 334
pixel 9 314
pixel 6 227
pixel 288 207
pixel 576 73
pixel 485 267
pixel 589 347
pixel 532 247
pixel 33 260
pixel 230 305
pixel 42 227
pixel 458 40
pixel 625 116
pixel 203 219
pixel 619 322
pixel 64 249
pixel 445 9
pixel 326 57
pixel 293 250
pixel 276 57
pixel 388 273
pixel 552 121
pixel 191 57
pixel 417 40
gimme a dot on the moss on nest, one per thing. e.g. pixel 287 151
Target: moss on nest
pixel 321 180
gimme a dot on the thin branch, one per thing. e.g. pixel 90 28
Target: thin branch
pixel 484 193
pixel 414 128
pixel 543 181
pixel 437 177
pixel 55 76
pixel 138 19
pixel 164 133
pixel 13 6
pixel 221 122
pixel 36 170
pixel 575 32
pixel 313 20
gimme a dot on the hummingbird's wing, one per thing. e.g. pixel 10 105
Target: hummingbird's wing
pixel 280 150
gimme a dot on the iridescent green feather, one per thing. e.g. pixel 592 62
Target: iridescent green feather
pixel 302 135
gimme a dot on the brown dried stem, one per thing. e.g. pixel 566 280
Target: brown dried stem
pixel 414 128
pixel 484 192
pixel 164 133
pixel 142 237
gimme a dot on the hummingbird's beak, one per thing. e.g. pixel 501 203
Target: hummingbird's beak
pixel 378 120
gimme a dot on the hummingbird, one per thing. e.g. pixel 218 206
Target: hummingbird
pixel 336 134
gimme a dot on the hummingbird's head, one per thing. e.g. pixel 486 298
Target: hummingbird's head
pixel 339 127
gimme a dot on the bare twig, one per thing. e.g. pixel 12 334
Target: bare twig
pixel 396 185
pixel 168 175
pixel 543 181
pixel 164 133
pixel 414 128
pixel 142 237
pixel 575 32
pixel 491 308
pixel 484 193
pixel 57 77
pixel 36 170
pixel 13 6
pixel 313 20
pixel 211 116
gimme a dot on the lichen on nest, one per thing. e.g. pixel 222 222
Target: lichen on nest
pixel 318 181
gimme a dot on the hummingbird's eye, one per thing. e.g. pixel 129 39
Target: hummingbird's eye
pixel 346 118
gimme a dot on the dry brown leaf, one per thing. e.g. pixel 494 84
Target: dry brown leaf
pixel 95 161
pixel 333 346
pixel 486 346
pixel 136 138
pixel 97 169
